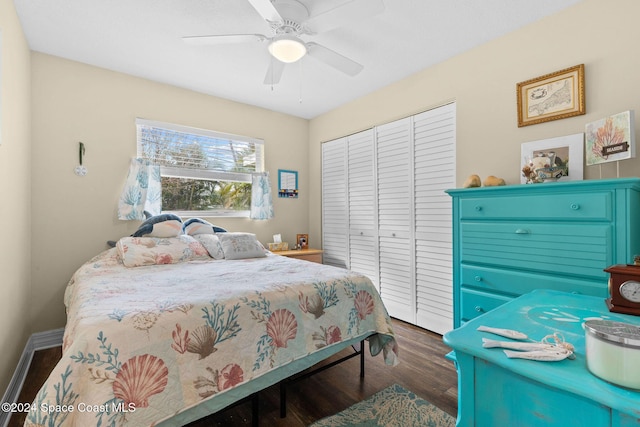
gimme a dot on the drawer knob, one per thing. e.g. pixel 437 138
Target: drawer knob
pixel 575 206
pixel 522 231
pixel 478 208
pixel 362 233
pixel 393 234
pixel 479 309
pixel 478 279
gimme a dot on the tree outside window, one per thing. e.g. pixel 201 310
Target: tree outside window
pixel 203 172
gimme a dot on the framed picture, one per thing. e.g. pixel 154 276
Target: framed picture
pixel 303 241
pixel 554 159
pixel 610 139
pixel 551 97
pixel 287 184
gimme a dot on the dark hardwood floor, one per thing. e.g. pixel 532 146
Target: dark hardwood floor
pixel 423 369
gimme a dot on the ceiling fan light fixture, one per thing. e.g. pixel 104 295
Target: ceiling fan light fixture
pixel 287 48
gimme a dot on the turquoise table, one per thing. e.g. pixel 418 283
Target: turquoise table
pixel 494 390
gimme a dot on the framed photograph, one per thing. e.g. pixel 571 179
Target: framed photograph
pixel 303 241
pixel 554 159
pixel 610 139
pixel 551 97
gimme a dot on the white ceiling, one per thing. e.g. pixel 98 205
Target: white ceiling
pixel 143 38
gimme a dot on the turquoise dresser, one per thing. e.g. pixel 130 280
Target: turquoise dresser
pixel 495 391
pixel 510 240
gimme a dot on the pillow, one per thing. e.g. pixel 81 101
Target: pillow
pixel 195 226
pixel 138 251
pixel 212 244
pixel 241 245
pixel 165 225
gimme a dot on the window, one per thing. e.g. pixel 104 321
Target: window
pixel 204 173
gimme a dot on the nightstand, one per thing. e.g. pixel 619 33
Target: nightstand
pixel 313 255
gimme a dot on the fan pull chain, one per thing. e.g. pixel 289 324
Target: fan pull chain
pixel 300 95
pixel 271 69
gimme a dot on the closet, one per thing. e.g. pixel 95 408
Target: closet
pixel 385 213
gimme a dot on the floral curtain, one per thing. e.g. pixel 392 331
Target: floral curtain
pixel 261 199
pixel 142 191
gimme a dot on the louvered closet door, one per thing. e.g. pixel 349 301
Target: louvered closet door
pixel 434 148
pixel 394 165
pixel 334 203
pixel 363 242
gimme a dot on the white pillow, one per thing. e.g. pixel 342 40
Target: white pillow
pixel 212 243
pixel 139 251
pixel 241 246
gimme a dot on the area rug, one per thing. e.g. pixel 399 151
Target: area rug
pixel 391 407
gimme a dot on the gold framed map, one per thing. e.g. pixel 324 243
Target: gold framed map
pixel 551 97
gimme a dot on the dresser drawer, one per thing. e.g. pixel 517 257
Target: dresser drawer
pixel 519 282
pixel 581 250
pixel 474 303
pixel 559 206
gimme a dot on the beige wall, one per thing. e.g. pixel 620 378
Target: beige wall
pixel 599 33
pixel 73 216
pixel 15 191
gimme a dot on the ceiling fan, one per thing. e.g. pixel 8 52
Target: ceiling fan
pixel 289 20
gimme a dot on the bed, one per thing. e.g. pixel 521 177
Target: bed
pixel 164 331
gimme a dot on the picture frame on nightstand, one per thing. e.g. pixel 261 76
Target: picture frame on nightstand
pixel 302 240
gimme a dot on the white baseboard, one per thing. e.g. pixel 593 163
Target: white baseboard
pixel 37 341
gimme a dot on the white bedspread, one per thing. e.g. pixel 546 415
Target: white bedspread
pixel 144 344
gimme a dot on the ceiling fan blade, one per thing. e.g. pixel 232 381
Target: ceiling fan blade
pixel 334 59
pixel 224 39
pixel 274 72
pixel 267 10
pixel 344 15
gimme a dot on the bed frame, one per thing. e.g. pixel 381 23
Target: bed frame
pixel 284 383
pixel 358 350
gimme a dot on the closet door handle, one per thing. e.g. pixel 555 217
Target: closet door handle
pixel 522 231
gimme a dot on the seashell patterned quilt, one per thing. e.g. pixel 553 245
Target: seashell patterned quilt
pixel 149 344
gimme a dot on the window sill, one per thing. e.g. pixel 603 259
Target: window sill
pixel 210 214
